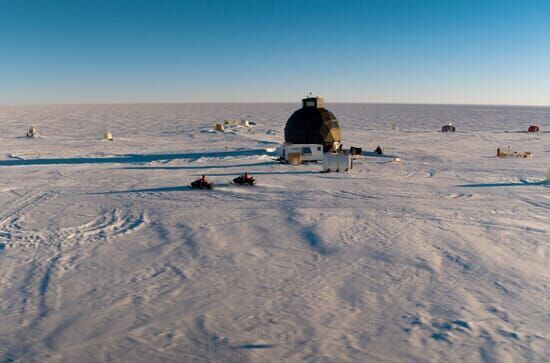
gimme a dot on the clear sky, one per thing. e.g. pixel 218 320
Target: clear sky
pixel 426 51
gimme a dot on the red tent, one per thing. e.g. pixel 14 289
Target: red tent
pixel 533 128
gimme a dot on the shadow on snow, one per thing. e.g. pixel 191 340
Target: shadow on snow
pixel 253 173
pixel 136 158
pixel 255 346
pixel 198 167
pixel 518 184
pixel 178 188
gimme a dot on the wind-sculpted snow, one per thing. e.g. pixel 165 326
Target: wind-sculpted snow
pixel 107 254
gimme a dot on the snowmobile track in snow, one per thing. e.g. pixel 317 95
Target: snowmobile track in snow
pixel 108 224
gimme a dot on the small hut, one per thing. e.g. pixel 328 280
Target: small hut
pixel 108 135
pixel 448 128
pixel 533 128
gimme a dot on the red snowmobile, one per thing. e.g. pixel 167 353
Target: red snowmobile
pixel 202 183
pixel 244 179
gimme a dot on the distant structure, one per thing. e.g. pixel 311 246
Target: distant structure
pixel 311 133
pixel 509 153
pixel 108 135
pixel 315 125
pixel 32 132
pixel 448 128
pixel 533 128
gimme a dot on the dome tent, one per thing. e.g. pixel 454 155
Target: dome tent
pixel 313 124
pixel 533 128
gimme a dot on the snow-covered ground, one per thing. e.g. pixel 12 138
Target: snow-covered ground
pixel 106 255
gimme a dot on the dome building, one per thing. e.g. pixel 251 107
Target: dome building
pixel 313 124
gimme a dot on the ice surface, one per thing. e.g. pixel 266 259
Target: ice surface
pixel 106 255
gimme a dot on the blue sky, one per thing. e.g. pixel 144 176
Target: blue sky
pixel 432 51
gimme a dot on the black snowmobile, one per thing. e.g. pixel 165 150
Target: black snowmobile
pixel 244 179
pixel 202 183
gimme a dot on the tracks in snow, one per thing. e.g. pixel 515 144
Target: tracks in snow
pixel 53 252
pixel 107 225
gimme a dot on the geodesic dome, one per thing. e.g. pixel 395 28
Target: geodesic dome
pixel 313 124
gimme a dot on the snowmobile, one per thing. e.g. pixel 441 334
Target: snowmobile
pixel 202 183
pixel 244 179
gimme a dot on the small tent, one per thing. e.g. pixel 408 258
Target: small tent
pixel 533 128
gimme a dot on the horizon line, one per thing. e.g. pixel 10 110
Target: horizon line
pixel 267 102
